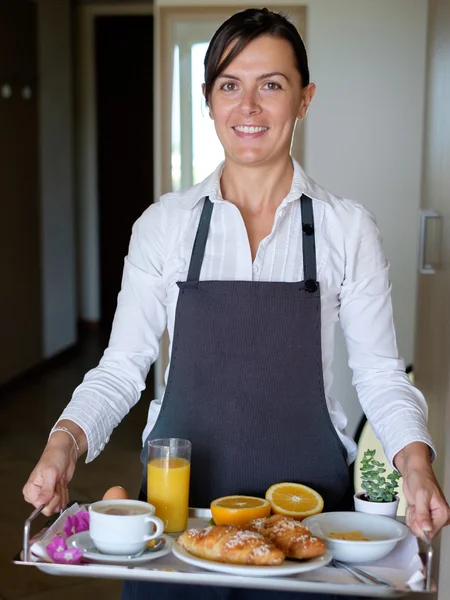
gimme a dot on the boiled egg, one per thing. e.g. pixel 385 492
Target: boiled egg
pixel 117 492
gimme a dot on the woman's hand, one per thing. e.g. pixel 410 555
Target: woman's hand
pixel 428 511
pixel 49 480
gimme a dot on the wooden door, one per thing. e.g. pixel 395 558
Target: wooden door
pixel 124 90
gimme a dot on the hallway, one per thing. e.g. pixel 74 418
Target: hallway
pixel 28 410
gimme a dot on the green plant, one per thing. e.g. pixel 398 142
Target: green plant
pixel 376 486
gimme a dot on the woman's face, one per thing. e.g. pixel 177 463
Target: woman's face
pixel 256 101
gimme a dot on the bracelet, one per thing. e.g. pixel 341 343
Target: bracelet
pixel 65 431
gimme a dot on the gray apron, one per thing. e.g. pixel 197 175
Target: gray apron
pixel 246 387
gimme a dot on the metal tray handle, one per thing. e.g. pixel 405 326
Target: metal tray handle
pixel 26 532
pixel 428 563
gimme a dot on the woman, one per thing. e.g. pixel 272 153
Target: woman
pixel 250 270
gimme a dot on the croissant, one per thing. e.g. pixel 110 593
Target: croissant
pixel 230 544
pixel 290 536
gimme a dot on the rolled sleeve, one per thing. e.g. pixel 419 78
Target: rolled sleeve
pixel 396 410
pixel 109 391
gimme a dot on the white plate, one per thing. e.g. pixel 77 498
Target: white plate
pixel 83 542
pixel 289 567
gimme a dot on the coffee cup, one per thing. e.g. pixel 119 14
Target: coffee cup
pixel 123 526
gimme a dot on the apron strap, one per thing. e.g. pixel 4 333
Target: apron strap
pixel 309 244
pixel 198 251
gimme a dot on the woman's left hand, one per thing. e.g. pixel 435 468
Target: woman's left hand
pixel 428 510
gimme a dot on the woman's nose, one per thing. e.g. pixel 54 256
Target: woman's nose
pixel 250 102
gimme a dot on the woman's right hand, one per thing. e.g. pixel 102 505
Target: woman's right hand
pixel 49 480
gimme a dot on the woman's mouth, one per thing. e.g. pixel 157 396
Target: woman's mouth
pixel 249 130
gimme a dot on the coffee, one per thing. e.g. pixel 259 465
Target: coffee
pixel 122 509
pixel 112 533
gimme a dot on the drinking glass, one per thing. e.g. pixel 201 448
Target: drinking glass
pixel 168 473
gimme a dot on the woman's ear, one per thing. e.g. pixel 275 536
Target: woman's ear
pixel 207 103
pixel 307 96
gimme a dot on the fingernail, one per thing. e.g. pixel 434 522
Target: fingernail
pixel 427 527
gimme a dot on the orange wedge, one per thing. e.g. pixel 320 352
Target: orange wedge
pixel 294 500
pixel 238 510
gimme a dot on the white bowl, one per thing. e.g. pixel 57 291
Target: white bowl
pixel 383 532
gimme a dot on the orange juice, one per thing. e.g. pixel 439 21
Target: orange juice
pixel 168 491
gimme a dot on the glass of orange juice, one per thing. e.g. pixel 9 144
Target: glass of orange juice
pixel 168 472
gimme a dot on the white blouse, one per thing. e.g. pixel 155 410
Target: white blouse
pixel 355 290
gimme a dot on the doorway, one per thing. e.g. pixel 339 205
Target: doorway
pixel 20 302
pixel 124 115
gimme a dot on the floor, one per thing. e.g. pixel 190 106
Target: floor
pixel 27 413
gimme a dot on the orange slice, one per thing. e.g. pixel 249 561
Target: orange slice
pixel 238 510
pixel 294 500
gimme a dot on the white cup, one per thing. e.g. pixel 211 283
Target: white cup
pixel 123 526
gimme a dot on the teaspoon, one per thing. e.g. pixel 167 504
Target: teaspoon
pixel 158 546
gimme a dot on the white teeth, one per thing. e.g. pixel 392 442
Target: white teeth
pixel 245 129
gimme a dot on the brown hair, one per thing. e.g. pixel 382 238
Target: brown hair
pixel 244 27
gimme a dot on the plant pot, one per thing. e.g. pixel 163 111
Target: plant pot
pixel 386 509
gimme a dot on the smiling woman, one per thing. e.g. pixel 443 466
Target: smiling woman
pixel 194 149
pixel 250 270
pixel 256 87
pixel 256 100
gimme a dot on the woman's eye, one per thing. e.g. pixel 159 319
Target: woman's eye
pixel 229 86
pixel 272 85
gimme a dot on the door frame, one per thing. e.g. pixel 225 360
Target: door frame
pixel 88 241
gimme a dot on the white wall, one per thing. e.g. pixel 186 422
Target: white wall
pixel 364 133
pixel 56 176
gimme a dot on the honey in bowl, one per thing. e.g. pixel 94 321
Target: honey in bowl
pixel 350 536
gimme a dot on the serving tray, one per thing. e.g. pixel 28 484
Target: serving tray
pixel 325 580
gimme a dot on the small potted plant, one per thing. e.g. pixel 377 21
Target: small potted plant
pixel 379 495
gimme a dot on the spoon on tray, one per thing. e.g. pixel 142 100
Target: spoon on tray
pixel 360 574
pixel 158 546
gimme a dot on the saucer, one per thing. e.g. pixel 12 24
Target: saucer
pixel 83 542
